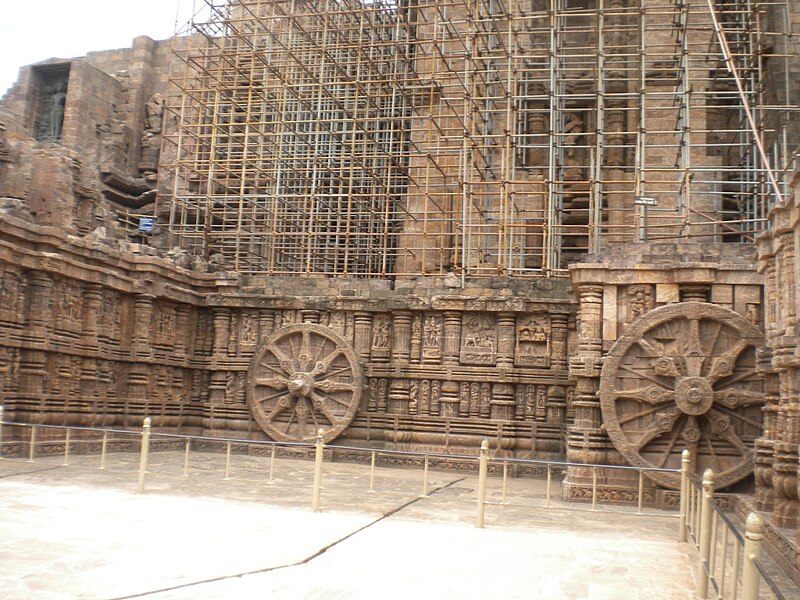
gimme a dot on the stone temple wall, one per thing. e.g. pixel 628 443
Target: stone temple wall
pixel 94 335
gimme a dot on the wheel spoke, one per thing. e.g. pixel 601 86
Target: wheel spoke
pixel 738 378
pixel 650 347
pixel 332 398
pixel 661 424
pixel 274 382
pixel 722 428
pixel 693 350
pixel 287 364
pixel 272 397
pixel 319 404
pixel 723 366
pixel 641 374
pixel 278 409
pixel 643 413
pixel 330 387
pixel 322 366
pixel 277 370
pixel 738 398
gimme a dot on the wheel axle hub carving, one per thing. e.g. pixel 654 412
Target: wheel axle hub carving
pixel 304 378
pixel 684 376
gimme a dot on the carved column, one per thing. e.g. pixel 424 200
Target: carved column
pixel 502 402
pixel 32 372
pixel 266 324
pixel 310 316
pixel 416 339
pixel 448 400
pixel 401 340
pixel 142 324
pixel 182 339
pixel 506 327
pixel 452 337
pixel 362 338
pixel 92 297
pixel 222 323
pixel 558 341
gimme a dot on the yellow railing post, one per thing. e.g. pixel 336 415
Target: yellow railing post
pixel 372 473
pixel 271 465
pixel 66 448
pixel 228 461
pixel 705 532
pixel 684 501
pixel 483 468
pixel 320 446
pixel 594 488
pixel 143 455
pixel 425 478
pixel 549 482
pixel 1 431
pixel 32 443
pixel 640 502
pixel 186 457
pixel 505 479
pixel 753 534
pixel 103 449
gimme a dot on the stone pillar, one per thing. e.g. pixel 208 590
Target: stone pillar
pixel 401 339
pixel 142 324
pixel 92 297
pixel 310 316
pixel 182 339
pixel 506 328
pixel 558 341
pixel 32 372
pixel 502 402
pixel 362 341
pixel 222 323
pixel 266 324
pixel 452 337
pixel 416 339
pixel 449 400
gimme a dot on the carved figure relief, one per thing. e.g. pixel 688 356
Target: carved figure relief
pixel 248 332
pixel 639 302
pixel 431 338
pixel 51 111
pixel 68 305
pixel 479 340
pixel 12 293
pixel 303 378
pixel 684 376
pixel 533 341
pixel 165 323
pixel 380 332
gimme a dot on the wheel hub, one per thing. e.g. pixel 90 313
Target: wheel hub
pixel 694 395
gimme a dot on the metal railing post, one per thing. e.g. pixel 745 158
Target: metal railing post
pixel 1 431
pixel 425 478
pixel 640 503
pixel 32 443
pixel 594 488
pixel 505 479
pixel 66 448
pixel 186 458
pixel 549 482
pixel 228 462
pixel 372 474
pixel 320 446
pixel 103 449
pixel 684 501
pixel 483 468
pixel 705 532
pixel 753 534
pixel 271 465
pixel 143 455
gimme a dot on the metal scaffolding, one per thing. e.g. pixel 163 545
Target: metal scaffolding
pixel 377 138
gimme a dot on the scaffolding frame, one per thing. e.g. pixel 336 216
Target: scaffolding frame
pixel 377 138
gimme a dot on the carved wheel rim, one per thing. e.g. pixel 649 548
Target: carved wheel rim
pixel 684 376
pixel 304 378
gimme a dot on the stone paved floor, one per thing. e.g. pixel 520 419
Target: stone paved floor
pixel 80 532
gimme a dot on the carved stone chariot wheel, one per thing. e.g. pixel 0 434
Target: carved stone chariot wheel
pixel 304 378
pixel 684 376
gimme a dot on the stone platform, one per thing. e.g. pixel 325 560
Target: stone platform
pixel 79 532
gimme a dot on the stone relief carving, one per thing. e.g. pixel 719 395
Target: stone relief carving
pixel 533 341
pixel 479 339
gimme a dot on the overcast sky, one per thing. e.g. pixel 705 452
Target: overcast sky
pixel 35 30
